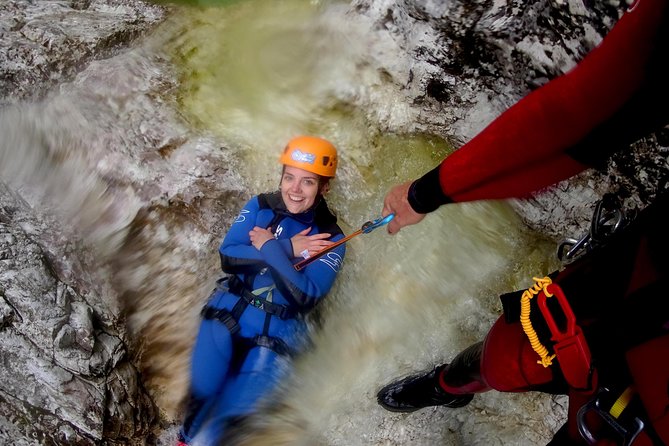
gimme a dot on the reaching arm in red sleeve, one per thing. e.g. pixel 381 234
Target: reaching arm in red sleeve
pixel 614 96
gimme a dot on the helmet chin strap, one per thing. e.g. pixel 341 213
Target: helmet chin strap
pixel 317 201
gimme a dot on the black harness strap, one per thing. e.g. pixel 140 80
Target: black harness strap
pixel 226 317
pixel 223 316
pixel 265 328
pixel 237 287
pixel 277 345
pixel 238 309
pixel 230 319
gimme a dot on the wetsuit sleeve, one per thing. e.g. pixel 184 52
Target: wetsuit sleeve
pixel 238 255
pixel 614 96
pixel 287 246
pixel 307 286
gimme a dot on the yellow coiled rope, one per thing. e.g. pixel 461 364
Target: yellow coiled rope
pixel 537 346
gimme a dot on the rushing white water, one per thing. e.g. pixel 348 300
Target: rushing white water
pixel 251 75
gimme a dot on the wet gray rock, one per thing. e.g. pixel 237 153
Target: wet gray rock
pixel 68 375
pixel 43 43
pixel 464 63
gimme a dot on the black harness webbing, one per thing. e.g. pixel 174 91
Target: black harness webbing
pixel 277 345
pixel 237 287
pixel 230 318
pixel 223 316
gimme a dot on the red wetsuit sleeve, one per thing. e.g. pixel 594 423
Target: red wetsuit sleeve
pixel 536 142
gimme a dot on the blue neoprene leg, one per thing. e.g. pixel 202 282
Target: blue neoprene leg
pixel 258 378
pixel 210 363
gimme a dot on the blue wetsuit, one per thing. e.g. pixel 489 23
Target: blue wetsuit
pixel 252 322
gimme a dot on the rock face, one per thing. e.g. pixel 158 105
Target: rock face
pixel 44 43
pixel 68 376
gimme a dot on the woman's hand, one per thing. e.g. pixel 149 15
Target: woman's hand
pixel 311 244
pixel 259 236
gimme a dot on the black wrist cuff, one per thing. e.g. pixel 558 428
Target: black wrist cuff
pixel 425 193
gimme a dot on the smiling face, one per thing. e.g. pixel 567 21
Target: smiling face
pixel 299 189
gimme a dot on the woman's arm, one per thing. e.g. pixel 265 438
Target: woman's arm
pixel 307 286
pixel 238 256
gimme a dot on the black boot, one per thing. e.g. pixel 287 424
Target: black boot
pixel 417 391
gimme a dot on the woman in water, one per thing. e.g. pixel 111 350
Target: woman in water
pixel 253 321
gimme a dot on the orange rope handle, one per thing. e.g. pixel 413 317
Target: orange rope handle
pixel 302 263
pixel 539 285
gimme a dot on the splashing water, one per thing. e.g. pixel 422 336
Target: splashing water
pixel 39 155
pixel 263 71
pixel 251 75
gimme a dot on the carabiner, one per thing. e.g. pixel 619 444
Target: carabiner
pixel 628 432
pixel 371 225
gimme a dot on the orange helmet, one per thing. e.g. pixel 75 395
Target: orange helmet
pixel 312 154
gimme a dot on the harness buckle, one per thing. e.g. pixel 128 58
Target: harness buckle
pixel 236 287
pixel 571 348
pixel 628 431
pixel 223 316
